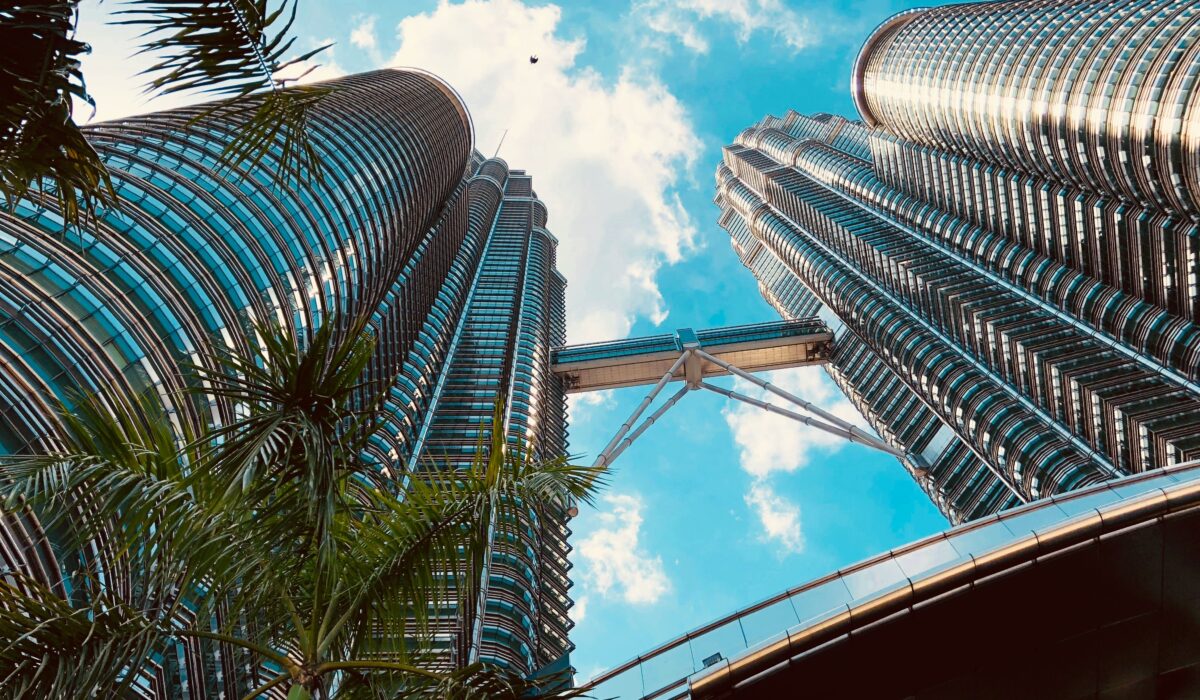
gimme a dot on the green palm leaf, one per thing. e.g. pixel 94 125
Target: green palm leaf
pixel 43 639
pixel 297 442
pixel 483 682
pixel 226 47
pixel 223 47
pixel 235 48
pixel 41 147
pixel 326 571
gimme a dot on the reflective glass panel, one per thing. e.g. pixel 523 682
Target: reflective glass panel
pixel 726 640
pixel 666 668
pixel 1079 504
pixel 775 618
pixel 869 581
pixel 1035 518
pixel 981 539
pixel 626 686
pixel 819 600
pixel 927 558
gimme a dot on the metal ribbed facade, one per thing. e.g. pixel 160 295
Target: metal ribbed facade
pixel 501 348
pixel 408 224
pixel 1098 94
pixel 1014 312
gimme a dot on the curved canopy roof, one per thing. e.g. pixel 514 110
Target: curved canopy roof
pixel 1076 595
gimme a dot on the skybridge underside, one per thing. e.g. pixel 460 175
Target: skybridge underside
pixel 641 361
pixel 691 356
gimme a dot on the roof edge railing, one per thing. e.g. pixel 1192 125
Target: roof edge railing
pixel 1067 523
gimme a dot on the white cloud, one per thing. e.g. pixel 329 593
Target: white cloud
pixel 780 517
pixel 669 21
pixel 363 37
pixel 769 443
pixel 112 69
pixel 605 155
pixel 363 34
pixel 582 406
pixel 614 560
pixel 678 18
pixel 579 609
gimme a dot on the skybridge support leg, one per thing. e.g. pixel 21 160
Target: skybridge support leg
pixel 605 455
pixel 812 422
pixel 648 422
pixel 856 434
pixel 690 359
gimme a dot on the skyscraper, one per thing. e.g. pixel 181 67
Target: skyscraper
pixel 1005 249
pixel 1006 245
pixel 447 250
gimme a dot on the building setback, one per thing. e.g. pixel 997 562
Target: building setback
pixel 1006 245
pixel 447 251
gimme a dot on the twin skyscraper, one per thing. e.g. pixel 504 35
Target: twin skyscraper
pixel 1006 249
pixel 446 251
pixel 1007 242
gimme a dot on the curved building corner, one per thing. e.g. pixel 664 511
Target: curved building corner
pixel 443 251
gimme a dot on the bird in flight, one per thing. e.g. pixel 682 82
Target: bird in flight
pixel 533 59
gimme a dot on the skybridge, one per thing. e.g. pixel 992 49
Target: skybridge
pixel 691 357
pixel 757 347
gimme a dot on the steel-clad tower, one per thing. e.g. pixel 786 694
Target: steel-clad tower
pixel 1006 246
pixel 447 251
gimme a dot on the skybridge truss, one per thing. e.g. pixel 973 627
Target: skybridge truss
pixel 691 357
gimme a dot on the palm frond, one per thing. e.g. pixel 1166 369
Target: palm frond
pixel 235 48
pixel 41 147
pixel 44 639
pixel 405 565
pixel 431 546
pixel 225 47
pixel 273 122
pixel 300 432
pixel 121 488
pixel 480 681
pixel 334 579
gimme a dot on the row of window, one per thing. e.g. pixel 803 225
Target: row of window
pixel 920 354
pixel 1140 251
pixel 1094 93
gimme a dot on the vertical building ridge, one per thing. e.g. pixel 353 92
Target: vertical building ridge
pixel 1007 244
pixel 444 251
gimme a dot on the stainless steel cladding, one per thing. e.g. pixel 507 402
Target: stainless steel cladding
pixel 444 250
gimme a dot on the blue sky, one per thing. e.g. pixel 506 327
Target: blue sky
pixel 621 123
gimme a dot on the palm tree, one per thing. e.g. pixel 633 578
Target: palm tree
pixel 39 79
pixel 230 48
pixel 326 570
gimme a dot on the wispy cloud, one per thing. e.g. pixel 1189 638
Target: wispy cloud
pixel 780 517
pixel 614 560
pixel 606 154
pixel 579 609
pixel 583 406
pixel 769 444
pixel 679 19
pixel 363 34
pixel 675 23
pixel 363 37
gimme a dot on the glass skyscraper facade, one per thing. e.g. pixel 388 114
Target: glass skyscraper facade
pixel 1006 246
pixel 445 250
